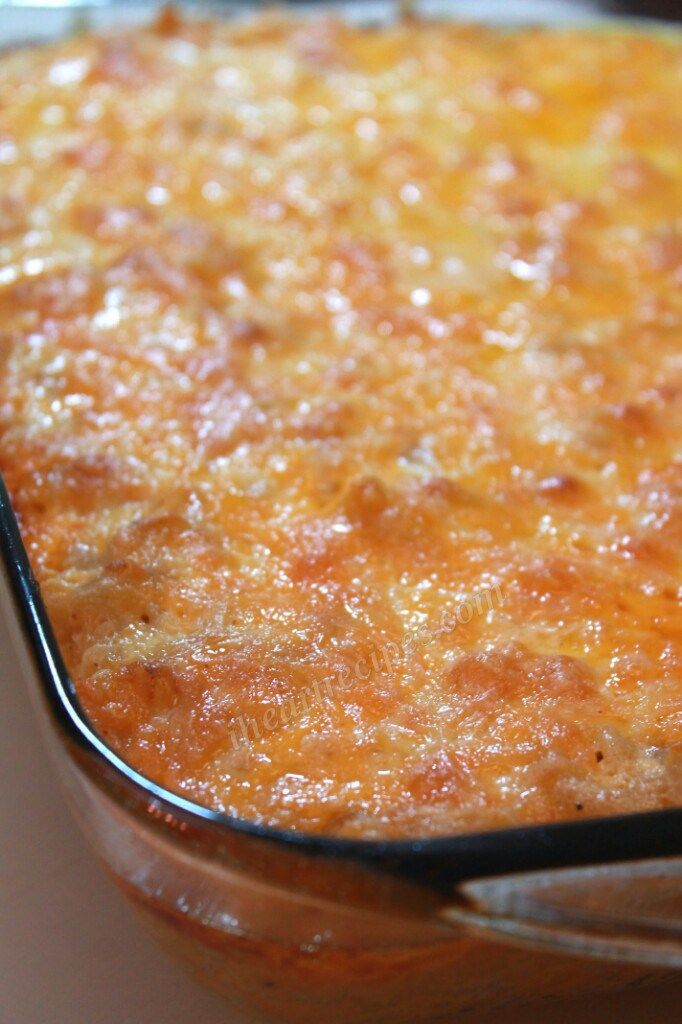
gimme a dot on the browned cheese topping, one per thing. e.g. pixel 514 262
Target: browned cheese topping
pixel 340 404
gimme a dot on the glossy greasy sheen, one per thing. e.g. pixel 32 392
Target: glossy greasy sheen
pixel 309 335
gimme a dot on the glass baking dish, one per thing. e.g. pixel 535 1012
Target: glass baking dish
pixel 300 928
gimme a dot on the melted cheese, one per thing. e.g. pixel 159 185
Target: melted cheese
pixel 340 405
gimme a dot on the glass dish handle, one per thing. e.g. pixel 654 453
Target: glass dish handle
pixel 626 912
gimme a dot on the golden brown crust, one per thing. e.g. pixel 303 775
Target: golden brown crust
pixel 341 411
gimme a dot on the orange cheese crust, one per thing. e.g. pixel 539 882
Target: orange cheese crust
pixel 340 402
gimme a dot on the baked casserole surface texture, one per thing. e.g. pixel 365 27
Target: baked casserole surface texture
pixel 340 407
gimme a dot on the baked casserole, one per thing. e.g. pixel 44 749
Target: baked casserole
pixel 341 390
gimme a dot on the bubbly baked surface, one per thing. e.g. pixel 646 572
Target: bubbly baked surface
pixel 341 378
